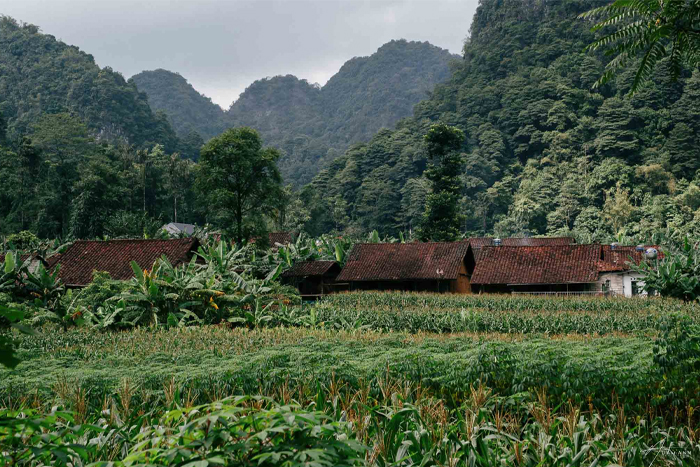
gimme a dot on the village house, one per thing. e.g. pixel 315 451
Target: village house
pixel 312 278
pixel 559 269
pixel 178 229
pixel 84 257
pixel 536 269
pixel 615 272
pixel 420 267
pixel 280 238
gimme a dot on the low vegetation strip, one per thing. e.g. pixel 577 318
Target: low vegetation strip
pixel 408 312
pixel 415 319
pixel 509 303
pixel 209 360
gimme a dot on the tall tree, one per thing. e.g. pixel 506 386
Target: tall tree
pixel 442 219
pixel 66 144
pixel 239 181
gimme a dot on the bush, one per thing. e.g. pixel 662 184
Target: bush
pixel 23 240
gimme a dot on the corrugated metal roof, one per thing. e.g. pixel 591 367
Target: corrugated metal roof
pixel 554 264
pixel 115 256
pixel 480 242
pixel 404 261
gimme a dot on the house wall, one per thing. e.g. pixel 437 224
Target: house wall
pixel 620 283
pixel 409 286
pixel 462 285
pixel 532 288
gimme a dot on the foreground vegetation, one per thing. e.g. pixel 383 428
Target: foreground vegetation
pixel 364 379
pixel 407 398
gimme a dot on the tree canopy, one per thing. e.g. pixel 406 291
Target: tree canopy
pixel 240 182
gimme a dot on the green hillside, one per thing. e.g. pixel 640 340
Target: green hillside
pixel 40 75
pixel 311 125
pixel 187 109
pixel 544 154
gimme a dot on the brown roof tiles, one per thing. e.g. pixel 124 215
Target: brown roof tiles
pixel 620 257
pixel 554 264
pixel 283 238
pixel 404 261
pixel 115 256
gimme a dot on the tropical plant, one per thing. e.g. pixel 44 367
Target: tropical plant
pixel 676 275
pixel 654 30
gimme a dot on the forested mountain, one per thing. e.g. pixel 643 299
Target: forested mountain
pixel 187 109
pixel 311 124
pixel 544 154
pixel 40 75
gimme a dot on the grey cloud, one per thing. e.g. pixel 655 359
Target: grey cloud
pixel 221 46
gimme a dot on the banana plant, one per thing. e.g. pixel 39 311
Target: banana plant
pixel 225 259
pixel 11 273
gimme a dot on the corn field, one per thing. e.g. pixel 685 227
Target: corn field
pixel 368 379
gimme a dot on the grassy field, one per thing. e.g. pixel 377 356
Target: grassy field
pixel 412 379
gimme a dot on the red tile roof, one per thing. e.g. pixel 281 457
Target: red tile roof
pixel 620 257
pixel 283 238
pixel 478 243
pixel 554 264
pixel 115 256
pixel 404 261
pixel 310 268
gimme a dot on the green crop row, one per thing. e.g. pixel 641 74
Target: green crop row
pixel 449 320
pixel 214 360
pixel 510 303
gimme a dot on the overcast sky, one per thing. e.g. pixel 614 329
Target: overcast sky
pixel 222 46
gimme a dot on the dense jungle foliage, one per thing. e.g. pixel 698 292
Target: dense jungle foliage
pixel 544 154
pixel 311 125
pixel 187 110
pixel 40 75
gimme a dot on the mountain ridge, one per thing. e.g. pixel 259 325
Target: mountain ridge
pixel 311 124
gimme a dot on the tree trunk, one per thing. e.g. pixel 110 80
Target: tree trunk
pixel 239 222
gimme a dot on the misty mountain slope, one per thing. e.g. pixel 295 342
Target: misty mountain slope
pixel 40 75
pixel 313 125
pixel 369 93
pixel 544 152
pixel 186 108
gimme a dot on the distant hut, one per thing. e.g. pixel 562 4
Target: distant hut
pixel 176 229
pixel 421 267
pixel 312 278
pixel 617 276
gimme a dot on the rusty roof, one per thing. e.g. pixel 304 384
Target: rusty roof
pixel 404 261
pixel 310 268
pixel 283 238
pixel 480 242
pixel 552 264
pixel 621 257
pixel 115 256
